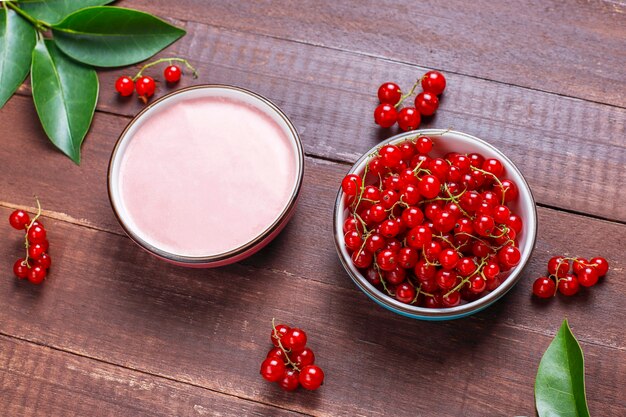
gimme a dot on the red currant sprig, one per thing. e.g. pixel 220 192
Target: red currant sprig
pixel 583 273
pixel 34 266
pixel 290 363
pixel 145 85
pixel 409 118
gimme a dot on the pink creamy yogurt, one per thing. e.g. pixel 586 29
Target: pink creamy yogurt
pixel 206 175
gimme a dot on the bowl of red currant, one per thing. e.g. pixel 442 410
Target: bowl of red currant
pixel 434 224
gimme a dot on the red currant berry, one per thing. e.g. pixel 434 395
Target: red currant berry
pixel 429 186
pixel 36 274
pixel 509 256
pixel 444 221
pixel 375 243
pixel 389 228
pixel 405 293
pixel 569 285
pixel 172 74
pixel 350 224
pixel 408 150
pixel 446 280
pixel 351 184
pixel 483 225
pixel 294 340
pixel 419 236
pixel 362 259
pixel 412 217
pixel 544 287
pixel 20 269
pixel 396 276
pixel 424 272
pixel 385 115
pixel 352 239
pixel 601 265
pixel 407 258
pixel 560 263
pixel 451 300
pixel 386 260
pixel 376 166
pixel 434 82
pixel 579 264
pixel 493 166
pixel 588 276
pixel 272 369
pixel 424 144
pixel 303 358
pixel 476 159
pixel 509 189
pixel 389 93
pixel 515 223
pixel 125 86
pixel 290 380
pixel 391 156
pixel 426 103
pixel 470 201
pixel 19 219
pixel 35 251
pixel 373 276
pixel 477 284
pixel 466 266
pixel 145 86
pixel 431 251
pixel 501 214
pixel 409 119
pixel 448 258
pixel 311 377
pixel 36 234
pixel 491 271
pixel 281 330
pixel 432 302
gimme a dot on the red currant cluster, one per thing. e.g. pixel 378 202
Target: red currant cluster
pixel 36 263
pixel 146 85
pixel 408 118
pixel 290 362
pixel 584 272
pixel 431 231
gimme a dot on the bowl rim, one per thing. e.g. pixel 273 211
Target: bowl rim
pixel 243 249
pixel 423 312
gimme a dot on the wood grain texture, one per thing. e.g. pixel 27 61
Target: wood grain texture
pixel 571 151
pixel 39 381
pixel 570 48
pixel 109 300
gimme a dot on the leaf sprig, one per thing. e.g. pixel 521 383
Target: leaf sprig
pixel 59 42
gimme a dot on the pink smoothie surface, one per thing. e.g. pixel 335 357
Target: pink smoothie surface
pixel 207 175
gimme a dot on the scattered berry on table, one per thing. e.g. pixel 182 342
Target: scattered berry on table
pixel 125 86
pixel 172 74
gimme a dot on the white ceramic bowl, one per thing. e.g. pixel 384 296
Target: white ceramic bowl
pixel 444 142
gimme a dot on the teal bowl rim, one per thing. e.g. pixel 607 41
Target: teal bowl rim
pixel 423 313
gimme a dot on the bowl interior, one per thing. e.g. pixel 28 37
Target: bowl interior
pixel 144 117
pixel 444 142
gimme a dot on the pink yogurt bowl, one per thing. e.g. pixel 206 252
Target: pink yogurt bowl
pixel 206 176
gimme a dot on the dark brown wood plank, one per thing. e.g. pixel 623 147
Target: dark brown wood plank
pixel 575 49
pixel 37 381
pixel 571 151
pixel 109 300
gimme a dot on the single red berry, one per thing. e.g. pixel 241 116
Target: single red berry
pixel 434 82
pixel 20 269
pixel 391 156
pixel 483 225
pixel 395 276
pixel 278 353
pixel 494 167
pixel 145 86
pixel 311 377
pixel 446 280
pixel 303 358
pixel 19 219
pixel 353 240
pixel 426 103
pixel 508 189
pixel 386 260
pixel 466 266
pixel 477 284
pixel 272 369
pixel 373 276
pixel 588 276
pixel 374 243
pixel 280 332
pixel 407 258
pixel 491 270
pixel 444 221
pixel 362 259
pixel 405 293
pixel 558 262
pixel 501 214
pixel 36 274
pixel 476 159
pixel 409 119
pixel 429 186
pixel 601 265
pixel 419 236
pixel 290 380
pixel 448 258
pixel 515 223
pixel 509 256
pixel 125 86
pixel 385 115
pixel 451 300
pixel 36 250
pixel 544 287
pixel 294 340
pixel 569 285
pixel 424 272
pixel 389 228
pixel 579 264
pixel 389 93
pixel 424 144
pixel 351 184
pixel 172 74
pixel 36 234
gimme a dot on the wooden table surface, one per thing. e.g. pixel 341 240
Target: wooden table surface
pixel 116 332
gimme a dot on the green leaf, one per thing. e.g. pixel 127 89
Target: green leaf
pixel 17 40
pixel 65 93
pixel 113 36
pixel 560 382
pixel 53 11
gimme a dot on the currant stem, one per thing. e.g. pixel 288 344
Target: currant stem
pixel 280 345
pixel 409 94
pixel 40 25
pixel 159 61
pixel 26 243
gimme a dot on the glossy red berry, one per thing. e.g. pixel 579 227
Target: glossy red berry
pixel 424 144
pixel 290 380
pixel 280 332
pixel 36 234
pixel 434 82
pixel 558 262
pixel 44 261
pixel 445 279
pixel 477 284
pixel 362 259
pixel 601 265
pixel 36 274
pixel 451 300
pixel 278 353
pixel 351 184
pixel 448 258
pixel 569 285
pixel 588 276
pixel 579 264
pixel 304 357
pixel 409 119
pixel 484 225
pixel 429 186
pixel 506 192
pixel 374 243
pixel 509 256
pixel 544 287
pixel 405 293
pixel 125 86
pixel 391 156
pixel 353 240
pixel 172 74
pixel 419 236
pixel 407 258
pixel 19 219
pixel 494 167
pixel 294 340
pixel 426 103
pixel 20 269
pixel 389 93
pixel 311 377
pixel 386 260
pixel 145 86
pixel 389 228
pixel 272 369
pixel 36 250
pixel 385 115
